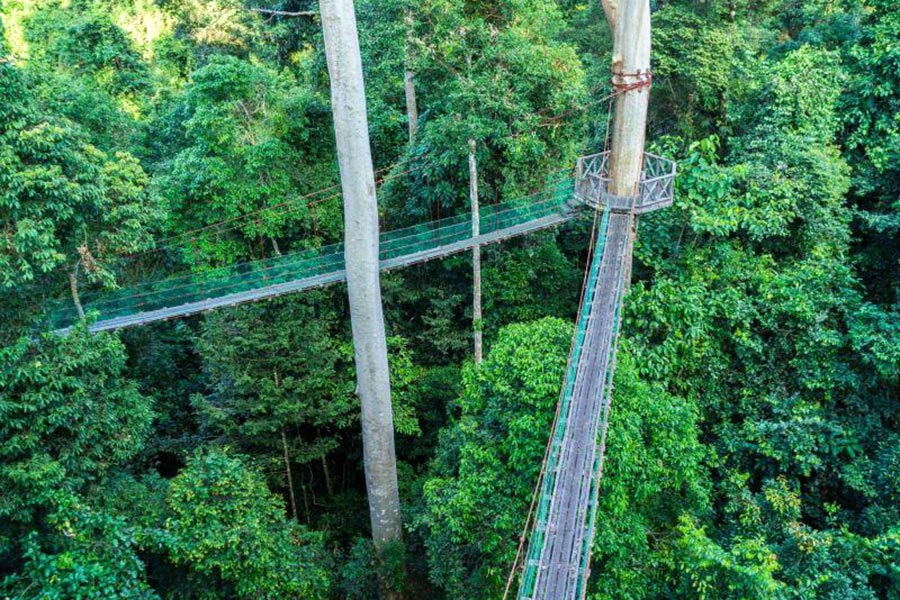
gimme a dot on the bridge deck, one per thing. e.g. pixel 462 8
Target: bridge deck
pixel 556 563
pixel 174 301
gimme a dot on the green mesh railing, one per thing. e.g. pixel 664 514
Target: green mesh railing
pixel 326 262
pixel 598 461
pixel 539 531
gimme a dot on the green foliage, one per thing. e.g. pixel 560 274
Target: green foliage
pixel 286 367
pixel 89 555
pixel 69 414
pixel 871 142
pixel 85 43
pixel 706 68
pixel 365 569
pixel 502 76
pixel 247 146
pixel 489 457
pixel 527 282
pixel 274 367
pixel 653 474
pixel 752 451
pixel 64 201
pixel 709 571
pixel 225 523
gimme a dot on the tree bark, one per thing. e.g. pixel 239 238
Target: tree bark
pixel 409 84
pixel 329 486
pixel 305 503
pixel 73 287
pixel 287 458
pixel 412 110
pixel 361 254
pixel 284 13
pixel 287 470
pixel 630 22
pixel 477 322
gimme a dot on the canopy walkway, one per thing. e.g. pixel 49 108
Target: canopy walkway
pixel 190 294
pixel 557 562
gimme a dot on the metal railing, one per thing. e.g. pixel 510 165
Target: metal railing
pixel 656 190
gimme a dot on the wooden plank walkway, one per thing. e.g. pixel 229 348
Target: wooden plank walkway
pixel 561 568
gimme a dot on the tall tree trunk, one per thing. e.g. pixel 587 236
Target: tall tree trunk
pixel 477 322
pixel 409 84
pixel 73 287
pixel 630 24
pixel 348 104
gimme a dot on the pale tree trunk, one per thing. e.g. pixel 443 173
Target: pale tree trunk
pixel 348 104
pixel 73 287
pixel 287 457
pixel 477 321
pixel 409 84
pixel 287 470
pixel 630 24
pixel 305 503
pixel 329 487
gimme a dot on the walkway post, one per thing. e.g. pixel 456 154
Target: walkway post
pixel 351 131
pixel 629 21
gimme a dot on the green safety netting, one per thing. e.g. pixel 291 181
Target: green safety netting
pixel 545 494
pixel 319 262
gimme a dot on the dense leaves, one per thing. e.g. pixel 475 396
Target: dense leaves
pixel 754 433
pixel 490 455
pixel 69 413
pixel 225 523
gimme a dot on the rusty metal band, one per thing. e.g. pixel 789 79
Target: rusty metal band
pixel 627 82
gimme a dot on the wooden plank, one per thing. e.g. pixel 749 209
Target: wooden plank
pixel 559 571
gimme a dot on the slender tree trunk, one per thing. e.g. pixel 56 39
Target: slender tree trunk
pixel 348 104
pixel 312 481
pixel 305 502
pixel 329 486
pixel 477 321
pixel 287 457
pixel 73 286
pixel 412 110
pixel 409 84
pixel 287 470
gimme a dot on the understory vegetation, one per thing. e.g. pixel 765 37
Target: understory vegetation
pixel 754 439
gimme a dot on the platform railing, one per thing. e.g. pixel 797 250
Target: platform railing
pixel 657 186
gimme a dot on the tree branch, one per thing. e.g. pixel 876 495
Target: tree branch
pixel 609 9
pixel 285 13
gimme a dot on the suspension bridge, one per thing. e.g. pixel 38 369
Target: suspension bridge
pixel 194 293
pixel 560 524
pixel 556 564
